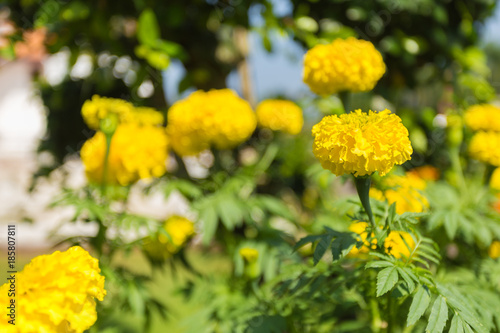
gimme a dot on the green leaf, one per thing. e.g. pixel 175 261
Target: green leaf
pixel 451 224
pixel 457 325
pixel 409 281
pixel 322 247
pixel 386 279
pixel 379 264
pixel 148 30
pixel 438 317
pixel 209 218
pixel 306 240
pixel 419 305
pixel 342 245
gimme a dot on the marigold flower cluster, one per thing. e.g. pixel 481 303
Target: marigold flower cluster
pixel 216 118
pixel 56 293
pixel 136 152
pixel 179 230
pixel 426 172
pixel 405 191
pixel 361 143
pixel 483 117
pixel 344 65
pixel 485 147
pixel 280 115
pixel 398 243
pixel 100 108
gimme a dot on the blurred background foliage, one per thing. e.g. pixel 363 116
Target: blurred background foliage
pixel 431 47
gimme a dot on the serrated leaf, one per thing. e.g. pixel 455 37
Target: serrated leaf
pixel 306 240
pixel 438 316
pixel 420 303
pixel 386 279
pixel 321 248
pixel 342 245
pixel 379 264
pixel 409 281
pixel 456 325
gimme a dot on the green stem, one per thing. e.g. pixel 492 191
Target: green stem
pixel 457 167
pixel 345 97
pixel 363 188
pixel 374 309
pixel 390 316
pixel 488 171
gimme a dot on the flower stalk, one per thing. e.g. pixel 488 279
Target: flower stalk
pixel 363 189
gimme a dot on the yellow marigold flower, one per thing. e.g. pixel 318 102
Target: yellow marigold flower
pixel 216 118
pixel 405 191
pixel 249 254
pixel 495 180
pixel 426 172
pixel 179 230
pixel 399 244
pixel 361 143
pixel 483 117
pixel 360 229
pixel 99 108
pixel 344 65
pixel 279 115
pixel 494 250
pixel 485 147
pixel 136 152
pixel 56 293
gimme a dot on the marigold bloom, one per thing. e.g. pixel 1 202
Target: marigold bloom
pixel 344 65
pixel 494 250
pixel 495 180
pixel 99 108
pixel 399 244
pixel 405 191
pixel 483 117
pixel 360 229
pixel 136 152
pixel 485 147
pixel 426 172
pixel 361 143
pixel 249 254
pixel 279 115
pixel 179 230
pixel 216 118
pixel 56 293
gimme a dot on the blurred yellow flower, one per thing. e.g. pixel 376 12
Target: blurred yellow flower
pixel 249 254
pixel 494 250
pixel 483 117
pixel 361 143
pixel 360 229
pixel 279 115
pixel 426 172
pixel 485 147
pixel 179 230
pixel 216 118
pixel 405 191
pixel 136 152
pixel 56 293
pixel 399 244
pixel 344 65
pixel 99 108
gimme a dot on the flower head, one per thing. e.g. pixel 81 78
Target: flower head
pixel 344 65
pixel 136 152
pixel 361 143
pixel 399 244
pixel 426 172
pixel 279 115
pixel 216 118
pixel 494 250
pixel 485 147
pixel 483 117
pixel 179 230
pixel 404 191
pixel 249 254
pixel 56 293
pixel 100 108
